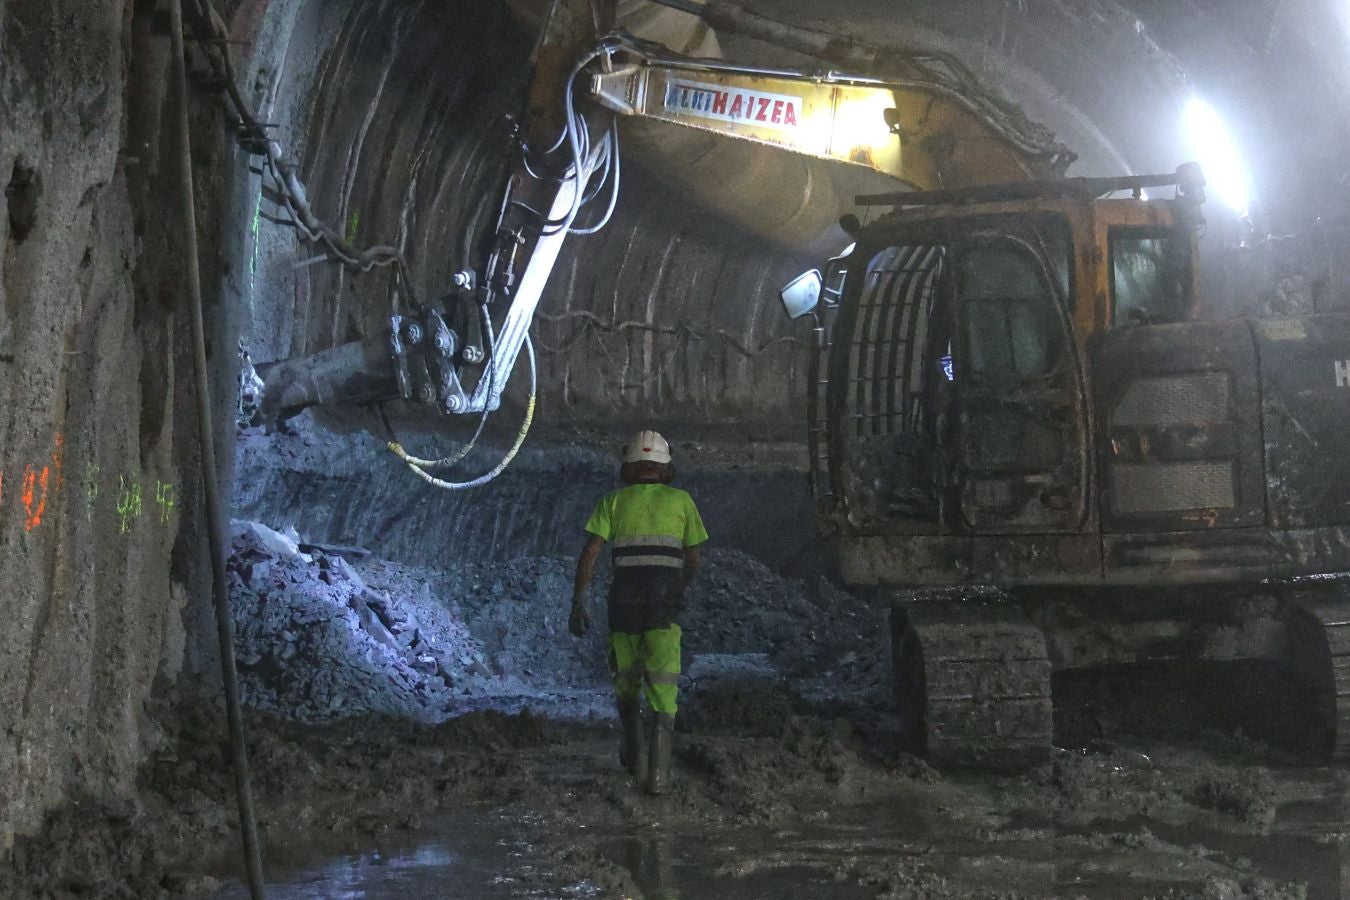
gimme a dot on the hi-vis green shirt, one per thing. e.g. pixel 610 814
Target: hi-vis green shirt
pixel 648 525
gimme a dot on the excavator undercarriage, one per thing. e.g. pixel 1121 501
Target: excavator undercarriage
pixel 974 668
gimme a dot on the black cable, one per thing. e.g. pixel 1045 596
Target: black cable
pixel 215 524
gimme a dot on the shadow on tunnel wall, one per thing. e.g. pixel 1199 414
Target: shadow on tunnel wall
pixel 398 113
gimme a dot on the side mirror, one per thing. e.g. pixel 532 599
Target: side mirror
pixel 801 294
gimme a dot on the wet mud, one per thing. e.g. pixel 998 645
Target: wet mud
pixel 473 754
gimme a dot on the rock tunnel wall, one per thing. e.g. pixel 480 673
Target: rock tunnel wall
pixel 101 545
pixel 342 489
pixel 395 110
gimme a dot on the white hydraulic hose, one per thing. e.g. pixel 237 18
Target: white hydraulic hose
pixel 506 460
pixel 577 135
pixel 613 153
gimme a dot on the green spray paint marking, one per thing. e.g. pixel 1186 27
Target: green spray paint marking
pixel 164 497
pixel 257 238
pixel 353 222
pixel 128 503
pixel 91 473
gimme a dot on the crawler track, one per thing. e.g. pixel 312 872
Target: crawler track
pixel 1319 652
pixel 974 677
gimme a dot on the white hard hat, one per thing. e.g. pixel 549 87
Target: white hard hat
pixel 646 446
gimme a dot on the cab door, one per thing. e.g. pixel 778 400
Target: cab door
pixel 1019 445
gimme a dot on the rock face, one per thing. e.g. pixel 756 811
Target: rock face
pixel 99 513
pixel 347 489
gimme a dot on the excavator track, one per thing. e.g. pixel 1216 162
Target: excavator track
pixel 973 679
pixel 1319 654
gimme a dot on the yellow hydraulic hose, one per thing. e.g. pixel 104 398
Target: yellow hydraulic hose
pixel 397 449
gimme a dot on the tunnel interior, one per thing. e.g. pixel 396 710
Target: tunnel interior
pixel 410 689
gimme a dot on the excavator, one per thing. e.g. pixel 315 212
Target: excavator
pixel 1033 444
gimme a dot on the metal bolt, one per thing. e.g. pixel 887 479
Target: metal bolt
pixel 452 404
pixel 445 342
pixel 426 393
pixel 414 333
pixel 473 355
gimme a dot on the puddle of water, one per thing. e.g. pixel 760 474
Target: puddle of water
pixel 692 867
pixel 461 856
pixel 480 856
pixel 1299 847
pixel 1323 866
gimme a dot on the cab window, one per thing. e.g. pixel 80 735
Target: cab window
pixel 1149 277
pixel 1012 328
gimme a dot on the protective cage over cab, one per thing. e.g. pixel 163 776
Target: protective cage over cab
pixel 1016 387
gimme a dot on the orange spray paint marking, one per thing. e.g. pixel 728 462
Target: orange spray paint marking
pixel 33 504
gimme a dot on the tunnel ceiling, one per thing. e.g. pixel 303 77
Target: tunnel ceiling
pixel 396 111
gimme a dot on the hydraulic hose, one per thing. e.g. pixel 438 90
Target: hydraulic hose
pixel 481 480
pixel 215 524
pixel 613 139
pixel 577 135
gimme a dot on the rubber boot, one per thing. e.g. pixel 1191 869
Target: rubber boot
pixel 660 744
pixel 632 749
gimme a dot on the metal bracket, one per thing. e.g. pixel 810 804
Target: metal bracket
pixel 424 349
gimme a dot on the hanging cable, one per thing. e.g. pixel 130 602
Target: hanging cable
pixel 506 460
pixel 214 511
pixel 577 135
pixel 613 152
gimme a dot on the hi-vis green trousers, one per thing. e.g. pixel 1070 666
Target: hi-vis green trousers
pixel 650 660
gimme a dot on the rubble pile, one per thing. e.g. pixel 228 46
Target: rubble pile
pixel 314 642
pixel 325 633
pixel 516 611
pixel 825 638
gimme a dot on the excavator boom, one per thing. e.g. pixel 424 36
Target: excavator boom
pixel 923 134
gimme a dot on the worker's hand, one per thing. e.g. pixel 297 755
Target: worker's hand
pixel 580 621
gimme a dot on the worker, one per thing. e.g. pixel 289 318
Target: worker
pixel 655 531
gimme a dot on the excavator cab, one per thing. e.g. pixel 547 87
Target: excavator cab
pixel 955 419
pixel 954 407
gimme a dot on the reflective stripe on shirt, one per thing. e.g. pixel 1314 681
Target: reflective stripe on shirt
pixel 621 562
pixel 648 540
pixel 649 550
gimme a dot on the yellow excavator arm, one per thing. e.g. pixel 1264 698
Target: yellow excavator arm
pixel 925 135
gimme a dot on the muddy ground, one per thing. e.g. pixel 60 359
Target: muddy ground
pixel 828 806
pixel 444 736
